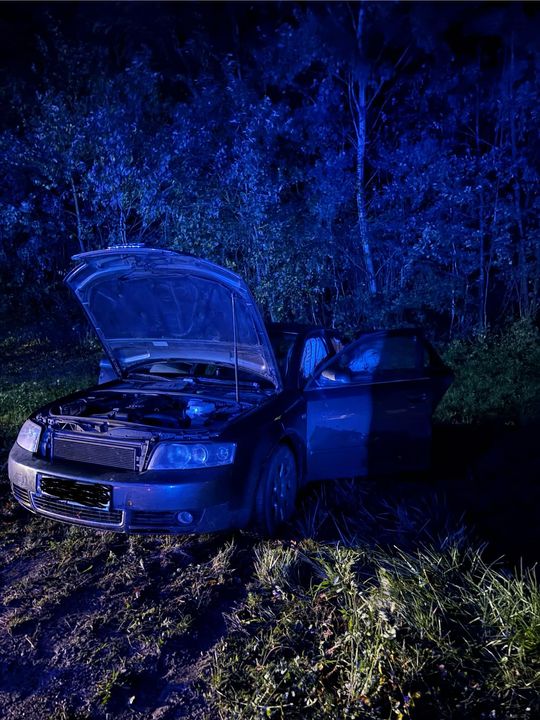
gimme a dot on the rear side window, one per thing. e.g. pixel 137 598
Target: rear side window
pixel 315 351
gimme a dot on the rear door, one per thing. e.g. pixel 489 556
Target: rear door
pixel 369 408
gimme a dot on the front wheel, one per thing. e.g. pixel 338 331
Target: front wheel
pixel 276 494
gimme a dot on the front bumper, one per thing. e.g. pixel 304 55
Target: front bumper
pixel 146 502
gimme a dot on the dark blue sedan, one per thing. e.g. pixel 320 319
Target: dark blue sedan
pixel 204 419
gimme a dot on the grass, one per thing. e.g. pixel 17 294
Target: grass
pixel 36 371
pixel 376 604
pixel 352 632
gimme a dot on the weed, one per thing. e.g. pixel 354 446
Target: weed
pixel 107 684
pixel 375 633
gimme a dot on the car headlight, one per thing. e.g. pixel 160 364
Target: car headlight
pixel 28 437
pixel 179 456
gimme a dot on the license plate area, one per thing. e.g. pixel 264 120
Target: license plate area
pixel 91 495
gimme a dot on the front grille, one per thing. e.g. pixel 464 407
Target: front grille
pixel 22 495
pixel 76 512
pixel 95 453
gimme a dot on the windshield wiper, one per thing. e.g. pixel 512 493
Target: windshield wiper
pixel 147 374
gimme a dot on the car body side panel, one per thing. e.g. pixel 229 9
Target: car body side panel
pixel 338 431
pixel 365 414
pixel 281 419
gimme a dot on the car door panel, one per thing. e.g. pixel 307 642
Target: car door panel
pixel 402 424
pixel 369 408
pixel 338 431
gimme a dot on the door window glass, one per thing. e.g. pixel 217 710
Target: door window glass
pixel 315 351
pixel 373 357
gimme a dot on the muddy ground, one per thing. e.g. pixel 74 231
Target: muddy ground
pixel 103 626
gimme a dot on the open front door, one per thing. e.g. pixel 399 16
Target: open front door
pixel 369 407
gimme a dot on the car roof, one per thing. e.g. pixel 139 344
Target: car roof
pixel 390 332
pixel 296 328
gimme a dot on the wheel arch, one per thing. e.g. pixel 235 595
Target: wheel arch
pixel 294 442
pixel 262 457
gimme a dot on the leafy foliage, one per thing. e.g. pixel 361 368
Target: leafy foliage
pixel 349 176
pixel 497 377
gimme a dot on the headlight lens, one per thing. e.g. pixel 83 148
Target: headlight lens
pixel 28 437
pixel 179 456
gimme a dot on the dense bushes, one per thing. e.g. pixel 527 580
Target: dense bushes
pixel 497 377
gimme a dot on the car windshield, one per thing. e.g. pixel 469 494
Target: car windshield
pixel 198 371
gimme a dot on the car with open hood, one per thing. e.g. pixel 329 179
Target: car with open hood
pixel 206 419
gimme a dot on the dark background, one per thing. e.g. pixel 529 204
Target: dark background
pixel 361 165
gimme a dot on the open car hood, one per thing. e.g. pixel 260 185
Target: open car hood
pixel 148 304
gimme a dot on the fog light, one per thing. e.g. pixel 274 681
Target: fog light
pixel 185 517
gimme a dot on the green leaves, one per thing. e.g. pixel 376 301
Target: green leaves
pixel 255 159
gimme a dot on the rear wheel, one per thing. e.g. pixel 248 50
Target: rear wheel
pixel 276 494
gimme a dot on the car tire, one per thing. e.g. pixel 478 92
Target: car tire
pixel 276 493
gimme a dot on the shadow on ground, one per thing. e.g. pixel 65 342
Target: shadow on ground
pixel 484 487
pixel 492 475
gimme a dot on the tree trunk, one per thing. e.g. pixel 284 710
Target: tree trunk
pixel 522 279
pixel 361 189
pixel 77 215
pixel 481 222
pixel 122 225
pixel 360 127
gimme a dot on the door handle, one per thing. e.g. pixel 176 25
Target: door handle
pixel 420 397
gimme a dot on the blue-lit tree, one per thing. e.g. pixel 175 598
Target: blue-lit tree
pixel 360 164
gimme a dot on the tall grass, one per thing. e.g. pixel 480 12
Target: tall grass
pixel 342 632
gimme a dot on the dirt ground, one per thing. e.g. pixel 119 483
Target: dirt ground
pixel 94 625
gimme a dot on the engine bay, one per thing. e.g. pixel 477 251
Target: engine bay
pixel 151 409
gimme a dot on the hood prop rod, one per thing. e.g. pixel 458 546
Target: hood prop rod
pixel 235 343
